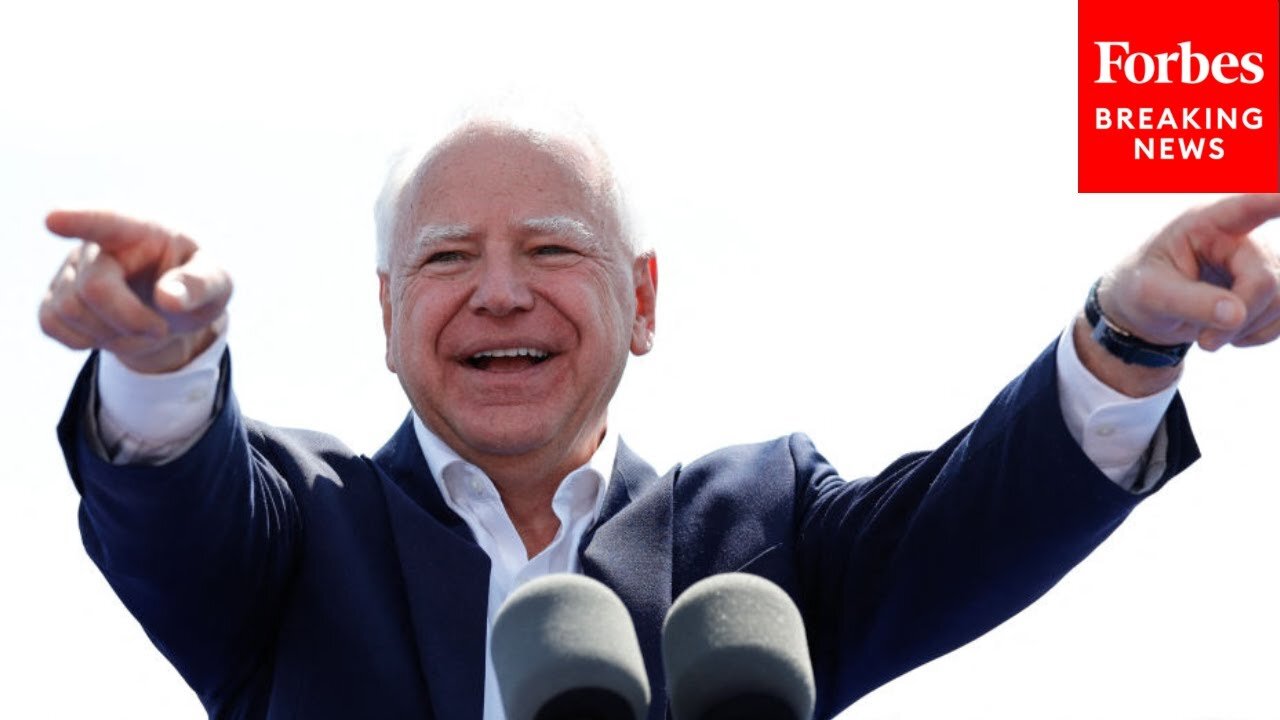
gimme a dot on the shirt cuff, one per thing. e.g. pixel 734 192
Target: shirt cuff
pixel 154 418
pixel 1114 430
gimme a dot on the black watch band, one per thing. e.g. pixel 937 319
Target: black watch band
pixel 1124 345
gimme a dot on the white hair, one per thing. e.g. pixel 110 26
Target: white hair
pixel 540 124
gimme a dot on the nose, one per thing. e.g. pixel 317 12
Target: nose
pixel 501 288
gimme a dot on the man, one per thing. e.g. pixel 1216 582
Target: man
pixel 286 576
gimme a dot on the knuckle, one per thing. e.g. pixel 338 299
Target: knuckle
pixel 67 306
pixel 1267 282
pixel 48 319
pixel 1144 285
pixel 94 291
pixel 86 254
pixel 66 275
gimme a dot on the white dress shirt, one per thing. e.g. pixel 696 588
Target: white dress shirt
pixel 153 418
pixel 469 492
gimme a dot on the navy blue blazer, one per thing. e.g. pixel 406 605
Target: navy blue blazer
pixel 286 576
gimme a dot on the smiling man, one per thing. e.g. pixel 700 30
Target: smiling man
pixel 510 301
pixel 285 575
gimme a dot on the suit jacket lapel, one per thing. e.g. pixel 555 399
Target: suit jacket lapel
pixel 446 575
pixel 630 551
pixel 446 579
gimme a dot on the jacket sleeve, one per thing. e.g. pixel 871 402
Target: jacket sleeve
pixel 200 549
pixel 940 547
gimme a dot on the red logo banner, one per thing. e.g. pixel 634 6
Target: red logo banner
pixel 1179 96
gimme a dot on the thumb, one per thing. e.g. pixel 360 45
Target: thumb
pixel 1190 301
pixel 1228 312
pixel 192 295
pixel 1208 306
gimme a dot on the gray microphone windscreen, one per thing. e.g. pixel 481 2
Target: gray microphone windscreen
pixel 734 646
pixel 564 647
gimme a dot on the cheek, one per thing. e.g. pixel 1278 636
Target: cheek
pixel 622 307
pixel 611 292
pixel 415 326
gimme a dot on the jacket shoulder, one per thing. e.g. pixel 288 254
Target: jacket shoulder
pixel 736 509
pixel 777 456
pixel 310 460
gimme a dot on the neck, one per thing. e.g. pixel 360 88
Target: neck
pixel 528 483
pixel 532 516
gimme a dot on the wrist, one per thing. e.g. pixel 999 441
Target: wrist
pixel 175 352
pixel 1127 378
pixel 1118 340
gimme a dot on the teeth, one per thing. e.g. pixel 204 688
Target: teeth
pixel 511 352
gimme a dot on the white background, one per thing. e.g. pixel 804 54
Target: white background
pixel 867 224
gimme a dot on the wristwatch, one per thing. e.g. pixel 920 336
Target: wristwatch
pixel 1131 349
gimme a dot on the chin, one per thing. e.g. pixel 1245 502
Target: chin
pixel 509 441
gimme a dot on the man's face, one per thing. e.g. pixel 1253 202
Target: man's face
pixel 510 304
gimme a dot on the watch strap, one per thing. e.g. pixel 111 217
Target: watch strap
pixel 1125 345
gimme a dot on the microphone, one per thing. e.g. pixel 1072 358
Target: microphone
pixel 734 648
pixel 564 648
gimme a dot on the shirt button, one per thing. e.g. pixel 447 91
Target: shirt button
pixel 1105 431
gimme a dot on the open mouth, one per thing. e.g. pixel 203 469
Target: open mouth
pixel 507 359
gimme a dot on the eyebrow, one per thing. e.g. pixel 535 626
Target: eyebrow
pixel 431 235
pixel 561 225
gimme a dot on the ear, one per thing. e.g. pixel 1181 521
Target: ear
pixel 645 271
pixel 384 297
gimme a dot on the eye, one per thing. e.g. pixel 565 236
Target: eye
pixel 445 256
pixel 552 250
pixel 556 255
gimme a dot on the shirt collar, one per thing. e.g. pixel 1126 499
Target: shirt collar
pixel 441 458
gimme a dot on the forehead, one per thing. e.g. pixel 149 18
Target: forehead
pixel 501 171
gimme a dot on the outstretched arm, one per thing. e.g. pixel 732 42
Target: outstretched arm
pixel 198 543
pixel 941 547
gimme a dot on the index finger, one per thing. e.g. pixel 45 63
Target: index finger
pixel 1240 214
pixel 110 230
